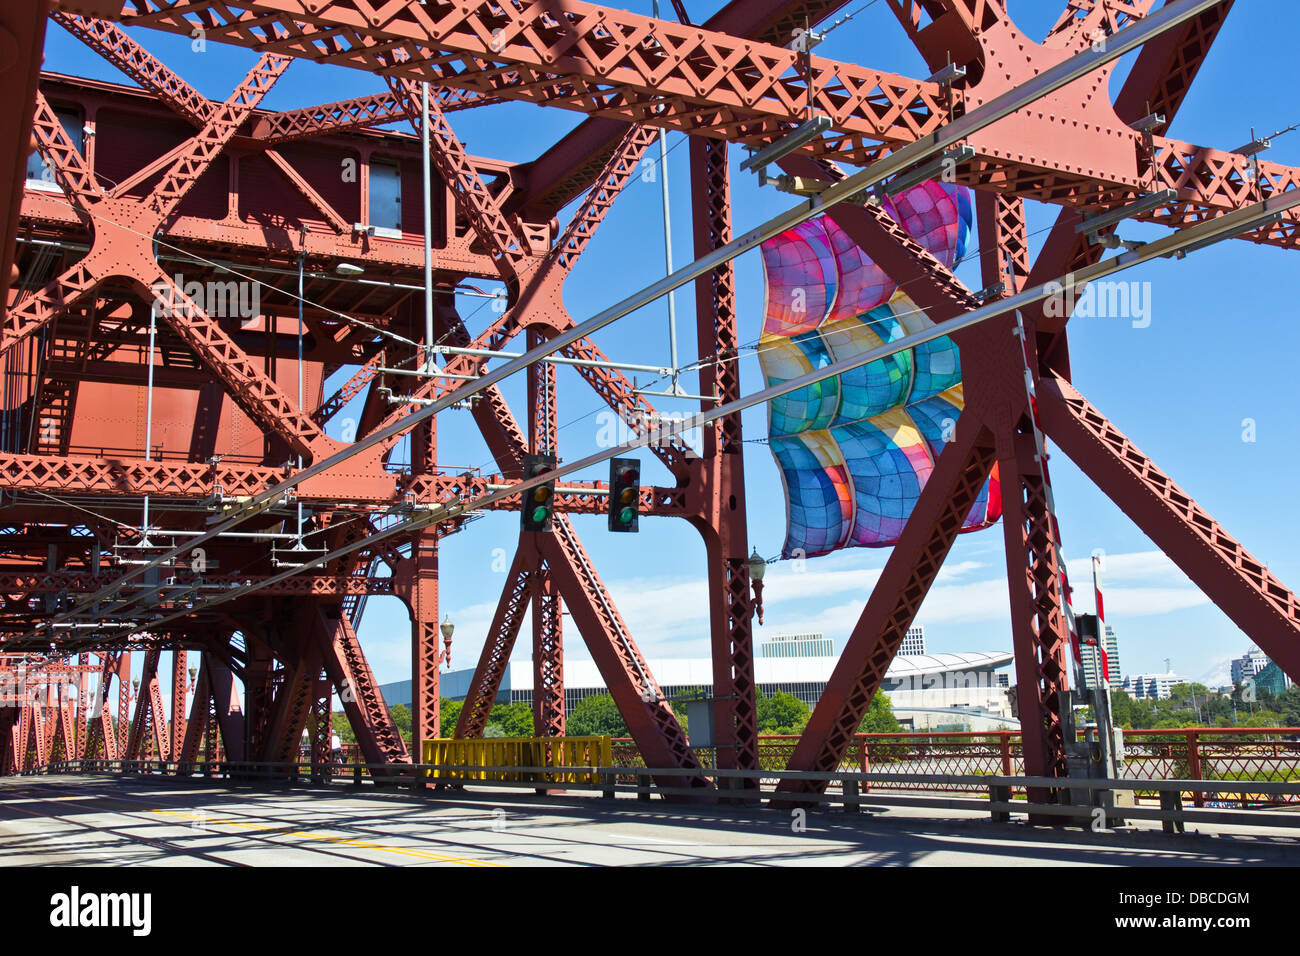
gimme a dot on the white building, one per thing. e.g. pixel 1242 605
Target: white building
pixel 925 690
pixel 1151 686
pixel 913 641
pixel 797 645
pixel 1248 665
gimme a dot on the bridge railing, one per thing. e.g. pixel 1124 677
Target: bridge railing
pixel 1091 803
pixel 1247 755
pixel 949 753
pixel 1244 754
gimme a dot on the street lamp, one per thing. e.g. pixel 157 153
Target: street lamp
pixel 447 629
pixel 348 269
pixel 757 568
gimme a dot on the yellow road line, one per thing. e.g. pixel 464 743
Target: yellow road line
pixel 342 841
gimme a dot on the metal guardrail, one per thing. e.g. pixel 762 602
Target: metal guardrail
pixel 1244 754
pixel 1093 801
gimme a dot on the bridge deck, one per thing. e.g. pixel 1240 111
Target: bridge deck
pixel 99 821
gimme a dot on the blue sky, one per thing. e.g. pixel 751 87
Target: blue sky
pixel 1216 352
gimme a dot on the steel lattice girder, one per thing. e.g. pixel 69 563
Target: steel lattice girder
pixel 196 727
pixel 140 65
pixel 567 168
pixel 632 67
pixel 1237 582
pixel 347 668
pixel 644 708
pixel 133 478
pixel 283 127
pixel 538 298
pixel 982 19
pixel 725 532
pixel 502 235
pixel 824 742
pixel 201 150
pixel 520 583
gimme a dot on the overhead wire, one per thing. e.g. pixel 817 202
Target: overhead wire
pixel 499 373
pixel 847 17
pixel 1282 132
pixel 754 347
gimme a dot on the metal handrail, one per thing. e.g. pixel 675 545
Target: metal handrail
pixel 306 768
pixel 850 795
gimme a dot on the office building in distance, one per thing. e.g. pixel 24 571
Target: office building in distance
pixel 1092 661
pixel 1248 665
pixel 1151 686
pixel 797 645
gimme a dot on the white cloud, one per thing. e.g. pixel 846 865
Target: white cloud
pixel 1142 602
pixel 957 599
pixel 1134 566
pixel 668 616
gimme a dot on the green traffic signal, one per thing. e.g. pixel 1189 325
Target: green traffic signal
pixel 624 494
pixel 537 505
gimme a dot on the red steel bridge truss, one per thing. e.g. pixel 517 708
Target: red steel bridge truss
pixel 155 181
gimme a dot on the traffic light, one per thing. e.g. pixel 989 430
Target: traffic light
pixel 624 494
pixel 538 504
pixel 1086 626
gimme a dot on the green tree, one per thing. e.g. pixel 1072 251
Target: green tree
pixel 1264 718
pixel 1129 713
pixel 1288 706
pixel 879 718
pixel 781 713
pixel 342 727
pixel 596 716
pixel 401 715
pixel 448 716
pixel 515 720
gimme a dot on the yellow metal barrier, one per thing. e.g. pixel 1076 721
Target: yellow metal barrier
pixel 463 759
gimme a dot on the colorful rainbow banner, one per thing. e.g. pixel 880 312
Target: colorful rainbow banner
pixel 855 450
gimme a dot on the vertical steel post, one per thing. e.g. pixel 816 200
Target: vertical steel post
pixel 668 245
pixel 148 416
pixel 549 714
pixel 723 524
pixel 428 226
pixel 301 257
pixel 180 688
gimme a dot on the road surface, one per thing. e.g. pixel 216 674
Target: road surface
pixel 133 821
